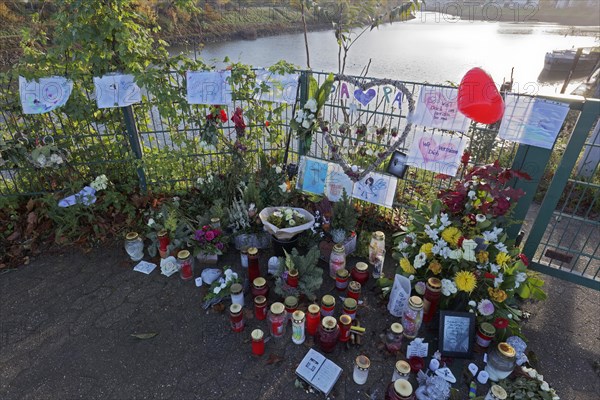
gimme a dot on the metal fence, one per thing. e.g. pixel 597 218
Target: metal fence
pixel 138 142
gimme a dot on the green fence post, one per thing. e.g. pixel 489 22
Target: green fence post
pixel 134 142
pixel 302 98
pixel 587 118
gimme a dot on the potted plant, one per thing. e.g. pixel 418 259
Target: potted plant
pixel 168 230
pixel 285 224
pixel 209 243
pixel 244 221
pixel 342 227
pixel 309 275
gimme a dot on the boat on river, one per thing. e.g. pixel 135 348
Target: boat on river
pixel 562 60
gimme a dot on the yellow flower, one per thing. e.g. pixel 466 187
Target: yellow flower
pixel 435 267
pixel 498 295
pixel 483 257
pixel 451 235
pixel 426 248
pixel 465 281
pixel 407 266
pixel 502 259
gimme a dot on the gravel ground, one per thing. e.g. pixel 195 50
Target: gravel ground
pixel 66 321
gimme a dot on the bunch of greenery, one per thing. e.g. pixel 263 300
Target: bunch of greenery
pixel 169 217
pixel 310 276
pixel 344 219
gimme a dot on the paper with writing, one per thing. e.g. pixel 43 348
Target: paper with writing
pixel 438 108
pixel 437 153
pixel 417 348
pixel 399 295
pixel 208 87
pixel 116 90
pixel 318 371
pixel 45 94
pixel 275 87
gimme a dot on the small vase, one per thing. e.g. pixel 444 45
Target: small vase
pixel 209 259
pixel 279 245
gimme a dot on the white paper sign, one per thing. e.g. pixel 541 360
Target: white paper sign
pixel 399 295
pixel 116 90
pixel 281 88
pixel 144 267
pixel 44 95
pixel 437 108
pixel 208 87
pixel 376 188
pixel 417 348
pixel 437 153
pixel 535 122
pixel 336 181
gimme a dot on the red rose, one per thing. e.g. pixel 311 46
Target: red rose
pixel 222 115
pixel 500 323
pixel 489 275
pixel 524 258
pixel 501 206
pixel 267 123
pixel 465 158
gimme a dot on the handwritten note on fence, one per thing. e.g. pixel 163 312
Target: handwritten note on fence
pixel 209 87
pixel 116 90
pixel 45 94
pixel 437 153
pixel 437 108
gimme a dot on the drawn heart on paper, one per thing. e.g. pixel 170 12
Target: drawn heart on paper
pixel 365 97
pixel 437 105
pixel 365 93
pixel 432 152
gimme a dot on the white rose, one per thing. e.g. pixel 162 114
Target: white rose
pixel 545 387
pixel 311 105
pixel 283 187
pixel 151 222
pixel 217 290
pixel 291 222
pixel 306 124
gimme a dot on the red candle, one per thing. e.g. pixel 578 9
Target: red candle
pixel 292 278
pixel 236 317
pixel 431 298
pixel 341 279
pixel 163 240
pixel 416 364
pixel 345 323
pixel 360 273
pixel 184 259
pixel 260 287
pixel 353 290
pixel 313 319
pixel 253 265
pixel 260 308
pixel 258 342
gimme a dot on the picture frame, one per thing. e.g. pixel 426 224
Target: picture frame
pixel 397 165
pixel 457 332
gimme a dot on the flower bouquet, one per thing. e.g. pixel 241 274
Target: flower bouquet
pixel 285 223
pixel 461 240
pixel 209 243
pixel 220 288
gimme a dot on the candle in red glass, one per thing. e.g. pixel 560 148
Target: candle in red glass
pixel 291 304
pixel 260 308
pixel 163 242
pixel 258 342
pixel 345 324
pixel 416 364
pixel 327 305
pixel 353 290
pixel 184 261
pixel 328 334
pixel 350 306
pixel 342 276
pixel 360 273
pixel 237 317
pixel 431 298
pixel 277 320
pixel 400 389
pixel 292 278
pixel 253 265
pixel 259 287
pixel 313 319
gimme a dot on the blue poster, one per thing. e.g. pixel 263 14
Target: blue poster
pixel 535 122
pixel 314 175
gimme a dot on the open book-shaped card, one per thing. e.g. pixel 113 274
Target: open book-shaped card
pixel 318 371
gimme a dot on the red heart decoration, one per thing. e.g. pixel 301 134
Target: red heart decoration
pixel 478 97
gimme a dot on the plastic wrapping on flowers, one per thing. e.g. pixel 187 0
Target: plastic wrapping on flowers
pixel 286 222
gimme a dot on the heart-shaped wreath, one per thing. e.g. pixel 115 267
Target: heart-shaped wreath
pixel 365 94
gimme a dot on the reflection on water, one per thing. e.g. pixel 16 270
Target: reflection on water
pixel 426 49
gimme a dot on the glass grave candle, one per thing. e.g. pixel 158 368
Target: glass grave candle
pixel 337 260
pixel 259 287
pixel 378 264
pixel 185 264
pixel 313 319
pixel 291 304
pixel 345 325
pixel 361 370
pixel 134 246
pixel 496 392
pixel 500 361
pixel 258 342
pixel 260 308
pixel 244 257
pixel 277 320
pixel 327 305
pixel 253 264
pixel 433 292
pixel 292 278
pixel 236 316
pixel 376 245
pixel 215 223
pixel 412 317
pixel 328 334
pixel 360 273
pixel 298 335
pixel 163 242
pixel 237 294
pixel 342 277
pixel 350 306
pixel 485 334
pixel 393 337
pixel 353 291
pixel 401 389
pixel 401 370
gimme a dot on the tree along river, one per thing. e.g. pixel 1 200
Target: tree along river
pixel 434 48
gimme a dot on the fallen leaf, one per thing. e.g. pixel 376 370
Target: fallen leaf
pixel 144 335
pixel 14 236
pixel 220 307
pixel 274 359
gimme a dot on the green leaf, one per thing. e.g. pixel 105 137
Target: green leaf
pixel 144 336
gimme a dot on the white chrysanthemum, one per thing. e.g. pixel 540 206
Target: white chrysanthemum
pixel 291 222
pixel 448 287
pixel 420 260
pixel 56 159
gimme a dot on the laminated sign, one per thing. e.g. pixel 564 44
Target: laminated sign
pixel 399 295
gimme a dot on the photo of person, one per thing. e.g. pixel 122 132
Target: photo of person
pixel 397 165
pixel 456 334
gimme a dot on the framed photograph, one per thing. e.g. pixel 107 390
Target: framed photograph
pixel 397 165
pixel 457 331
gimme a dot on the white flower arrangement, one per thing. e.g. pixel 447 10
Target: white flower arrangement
pixel 100 183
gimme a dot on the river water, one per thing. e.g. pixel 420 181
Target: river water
pixel 434 48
